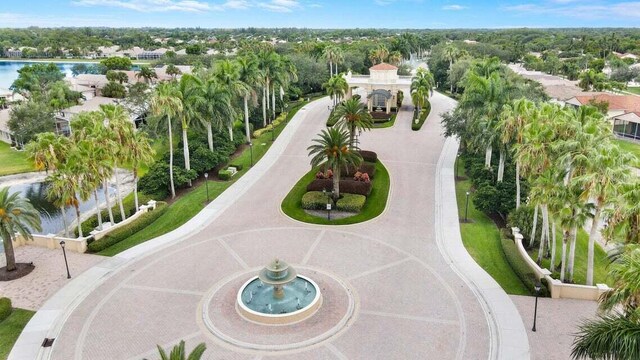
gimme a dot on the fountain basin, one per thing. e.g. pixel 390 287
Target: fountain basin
pixel 256 301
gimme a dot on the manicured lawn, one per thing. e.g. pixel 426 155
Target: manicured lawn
pixel 601 262
pixel 13 162
pixel 630 146
pixel 374 206
pixel 11 328
pixel 635 90
pixel 481 238
pixel 386 124
pixel 187 206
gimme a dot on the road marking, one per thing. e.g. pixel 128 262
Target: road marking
pixel 409 317
pixel 313 247
pixel 380 268
pixel 234 254
pixel 166 290
pixel 336 352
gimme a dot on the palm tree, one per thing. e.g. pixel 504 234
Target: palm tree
pixel 624 218
pixel 173 71
pixel 286 73
pixel 47 151
pixel 395 57
pixel 190 93
pixel 421 88
pixel 17 215
pixel 165 105
pixel 614 334
pixel 354 116
pixel 268 64
pixel 451 53
pixel 330 54
pixel 138 151
pixel 379 54
pixel 218 107
pixel 249 74
pixel 331 149
pixel 227 74
pixel 179 353
pixel 336 88
pixel 64 185
pixel 147 73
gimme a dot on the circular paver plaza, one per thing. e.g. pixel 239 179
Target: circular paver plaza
pixel 387 291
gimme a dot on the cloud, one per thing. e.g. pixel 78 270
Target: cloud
pixel 454 7
pixel 236 4
pixel 280 5
pixel 152 5
pixel 18 20
pixel 621 9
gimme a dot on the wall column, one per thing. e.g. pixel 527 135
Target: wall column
pixel 389 106
pixel 350 93
pixel 370 103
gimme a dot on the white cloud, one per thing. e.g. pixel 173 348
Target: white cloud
pixel 621 9
pixel 280 5
pixel 454 7
pixel 152 5
pixel 236 4
pixel 25 20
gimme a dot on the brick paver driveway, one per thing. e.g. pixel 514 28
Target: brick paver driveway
pixel 409 303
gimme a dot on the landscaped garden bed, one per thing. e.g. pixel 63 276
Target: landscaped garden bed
pixel 420 117
pixel 12 321
pixel 363 194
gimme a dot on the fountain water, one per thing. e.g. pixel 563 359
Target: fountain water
pixel 278 295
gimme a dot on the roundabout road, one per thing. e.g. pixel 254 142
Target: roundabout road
pixel 406 302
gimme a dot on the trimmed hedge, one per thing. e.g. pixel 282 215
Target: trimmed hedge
pixel 129 209
pixel 347 172
pixel 346 186
pixel 316 200
pixel 368 156
pixel 128 230
pixel 269 127
pixel 5 308
pixel 423 117
pixel 520 267
pixel 224 174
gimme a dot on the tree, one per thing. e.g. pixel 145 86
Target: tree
pixel 227 75
pixel 36 78
pixel 218 109
pixel 451 53
pixel 251 76
pixel 179 353
pixel 194 49
pixel 354 116
pixel 190 93
pixel 331 149
pixel 78 69
pixel 147 73
pixel 165 105
pixel 30 119
pixel 116 63
pixel 336 88
pixel 138 152
pixel 17 215
pixel 114 90
pixel 173 71
pixel 379 54
pixel 591 79
pixel 118 76
pixel 422 87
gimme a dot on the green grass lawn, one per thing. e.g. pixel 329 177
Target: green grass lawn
pixel 481 238
pixel 188 205
pixel 11 328
pixel 376 202
pixel 386 124
pixel 630 146
pixel 601 262
pixel 13 162
pixel 634 90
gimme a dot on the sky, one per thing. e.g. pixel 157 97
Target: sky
pixel 394 14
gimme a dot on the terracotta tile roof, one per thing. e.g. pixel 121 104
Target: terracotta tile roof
pixel 626 103
pixel 383 66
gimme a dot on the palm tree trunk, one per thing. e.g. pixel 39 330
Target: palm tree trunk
pixel 553 245
pixel 231 132
pixel 80 235
pixel 572 252
pixel 8 250
pixel 210 136
pixel 330 68
pixel 264 108
pixel 135 189
pixel 106 198
pixel 535 225
pixel 268 94
pixel 118 197
pixel 336 183
pixel 517 184
pixel 543 234
pixel 173 188
pixel 352 136
pixel 246 118
pixel 98 212
pixel 487 156
pixel 450 82
pixel 64 221
pixel 273 98
pixel 501 165
pixel 185 149
pixel 592 240
pixel 565 238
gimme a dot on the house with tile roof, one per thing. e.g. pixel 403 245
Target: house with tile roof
pixel 624 111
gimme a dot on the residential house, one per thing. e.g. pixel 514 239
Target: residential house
pixel 623 113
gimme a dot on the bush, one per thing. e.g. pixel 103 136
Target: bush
pixel 128 230
pixel 346 186
pixel 486 199
pixel 237 166
pixel 422 117
pixel 316 200
pixel 351 203
pixel 129 205
pixel 348 172
pixel 5 308
pixel 224 174
pixel 156 182
pixel 368 156
pixel 520 267
pixel 368 168
pixel 522 218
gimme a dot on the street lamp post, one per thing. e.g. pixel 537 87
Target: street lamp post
pixel 206 181
pixel 66 264
pixel 251 150
pixel 328 195
pixel 273 132
pixel 457 162
pixel 466 208
pixel 537 288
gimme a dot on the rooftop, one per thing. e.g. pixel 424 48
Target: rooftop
pixel 383 66
pixel 626 103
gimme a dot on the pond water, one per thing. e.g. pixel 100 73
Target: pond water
pixel 50 215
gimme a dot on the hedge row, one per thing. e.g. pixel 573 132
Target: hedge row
pixel 422 117
pixel 129 209
pixel 316 200
pixel 128 230
pixel 269 127
pixel 5 308
pixel 369 156
pixel 346 186
pixel 349 171
pixel 520 267
pixel 224 174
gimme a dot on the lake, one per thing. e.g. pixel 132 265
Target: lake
pixel 9 71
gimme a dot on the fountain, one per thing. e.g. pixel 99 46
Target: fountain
pixel 278 296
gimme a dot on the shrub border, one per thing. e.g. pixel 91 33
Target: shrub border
pixel 424 113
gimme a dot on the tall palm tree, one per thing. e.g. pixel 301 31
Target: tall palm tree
pixel 331 149
pixel 330 54
pixel 191 95
pixel 379 54
pixel 173 71
pixel 286 73
pixel 249 74
pixel 138 151
pixel 63 189
pixel 451 53
pixel 227 74
pixel 268 62
pixel 17 215
pixel 165 105
pixel 336 88
pixel 146 73
pixel 179 353
pixel 422 87
pixel 219 108
pixel 354 116
pixel 47 151
pixel 624 218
